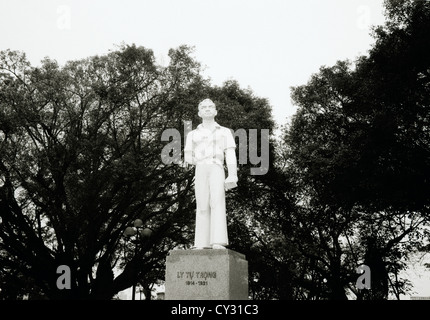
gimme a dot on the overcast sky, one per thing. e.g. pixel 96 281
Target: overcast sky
pixel 267 45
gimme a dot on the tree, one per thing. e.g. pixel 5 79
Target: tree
pixel 80 159
pixel 82 155
pixel 359 147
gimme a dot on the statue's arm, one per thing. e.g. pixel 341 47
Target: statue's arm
pixel 230 159
pixel 231 162
pixel 188 150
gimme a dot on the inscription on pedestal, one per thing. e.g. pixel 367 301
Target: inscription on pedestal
pixel 206 275
pixel 196 278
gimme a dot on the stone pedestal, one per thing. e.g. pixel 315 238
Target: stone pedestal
pixel 207 274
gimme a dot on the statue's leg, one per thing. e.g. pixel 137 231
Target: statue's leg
pixel 217 206
pixel 201 185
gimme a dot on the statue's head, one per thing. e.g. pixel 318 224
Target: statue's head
pixel 207 109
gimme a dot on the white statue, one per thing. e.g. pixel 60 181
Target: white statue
pixel 207 147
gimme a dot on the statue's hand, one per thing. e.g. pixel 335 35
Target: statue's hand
pixel 230 182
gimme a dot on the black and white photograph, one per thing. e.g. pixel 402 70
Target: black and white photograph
pixel 215 158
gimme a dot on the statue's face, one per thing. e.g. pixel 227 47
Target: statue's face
pixel 207 110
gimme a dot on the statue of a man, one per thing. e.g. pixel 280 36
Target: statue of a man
pixel 208 147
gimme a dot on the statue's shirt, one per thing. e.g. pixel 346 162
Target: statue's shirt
pixel 208 146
